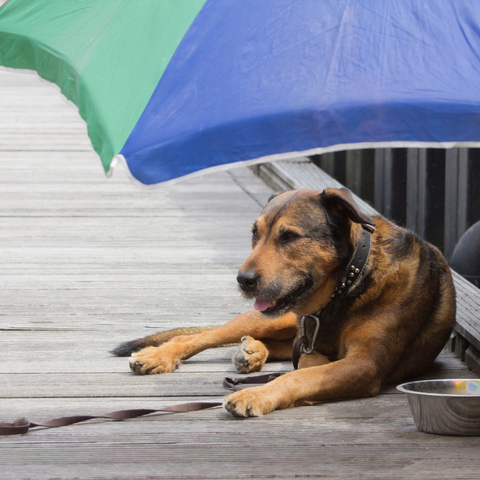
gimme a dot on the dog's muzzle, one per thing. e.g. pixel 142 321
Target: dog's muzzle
pixel 248 280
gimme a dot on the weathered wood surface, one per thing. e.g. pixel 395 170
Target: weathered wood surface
pixel 88 262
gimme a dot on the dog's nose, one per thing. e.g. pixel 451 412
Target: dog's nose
pixel 248 280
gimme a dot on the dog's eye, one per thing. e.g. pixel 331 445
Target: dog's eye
pixel 288 237
pixel 254 234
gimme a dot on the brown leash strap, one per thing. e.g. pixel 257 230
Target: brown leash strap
pixel 237 383
pixel 22 425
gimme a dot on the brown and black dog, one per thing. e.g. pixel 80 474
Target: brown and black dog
pixel 388 325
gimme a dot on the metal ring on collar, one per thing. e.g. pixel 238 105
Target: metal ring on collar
pixel 315 333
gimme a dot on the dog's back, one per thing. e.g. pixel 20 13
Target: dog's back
pixel 423 293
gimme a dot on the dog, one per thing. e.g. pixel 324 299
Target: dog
pixel 372 303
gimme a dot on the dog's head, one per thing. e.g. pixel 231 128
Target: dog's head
pixel 299 241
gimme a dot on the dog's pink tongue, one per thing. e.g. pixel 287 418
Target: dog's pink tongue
pixel 262 305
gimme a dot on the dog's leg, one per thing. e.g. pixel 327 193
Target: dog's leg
pixel 366 359
pixel 252 354
pixel 167 357
pixel 346 378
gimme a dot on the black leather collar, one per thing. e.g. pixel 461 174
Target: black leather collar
pixel 355 267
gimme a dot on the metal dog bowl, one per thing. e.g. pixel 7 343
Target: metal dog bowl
pixel 445 407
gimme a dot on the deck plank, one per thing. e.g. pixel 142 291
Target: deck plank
pixel 88 262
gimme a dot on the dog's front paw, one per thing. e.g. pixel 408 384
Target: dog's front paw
pixel 251 356
pixel 150 361
pixel 251 402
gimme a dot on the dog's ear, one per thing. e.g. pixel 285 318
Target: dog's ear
pixel 339 202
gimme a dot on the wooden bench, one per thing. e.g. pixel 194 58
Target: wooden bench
pixel 302 173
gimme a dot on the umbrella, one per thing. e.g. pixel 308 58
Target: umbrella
pixel 178 87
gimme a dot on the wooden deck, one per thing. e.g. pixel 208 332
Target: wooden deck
pixel 88 262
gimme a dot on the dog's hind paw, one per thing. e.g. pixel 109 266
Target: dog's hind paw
pixel 150 361
pixel 251 356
